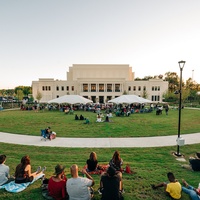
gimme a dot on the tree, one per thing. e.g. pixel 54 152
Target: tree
pixel 185 94
pixel 193 87
pixel 173 80
pixel 125 92
pixel 170 96
pixel 20 94
pixel 145 94
pixel 38 95
pixel 146 78
pixel 25 89
pixel 160 76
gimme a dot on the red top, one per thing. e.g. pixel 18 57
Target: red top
pixel 57 190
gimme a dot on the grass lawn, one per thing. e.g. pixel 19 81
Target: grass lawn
pixel 137 125
pixel 150 164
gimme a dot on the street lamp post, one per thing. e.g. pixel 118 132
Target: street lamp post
pixel 181 66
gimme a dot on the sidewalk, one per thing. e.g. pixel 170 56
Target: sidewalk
pixel 99 142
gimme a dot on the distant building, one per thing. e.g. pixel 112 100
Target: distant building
pixel 100 83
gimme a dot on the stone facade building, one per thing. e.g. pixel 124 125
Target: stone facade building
pixel 100 83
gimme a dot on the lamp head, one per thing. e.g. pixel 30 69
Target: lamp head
pixel 181 64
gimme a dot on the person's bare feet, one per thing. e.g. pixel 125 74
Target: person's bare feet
pixel 185 183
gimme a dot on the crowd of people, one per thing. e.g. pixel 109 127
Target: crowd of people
pixel 60 187
pixel 79 185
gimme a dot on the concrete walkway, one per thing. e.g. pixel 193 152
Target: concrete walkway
pixel 99 142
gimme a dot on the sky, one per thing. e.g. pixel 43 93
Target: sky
pixel 42 38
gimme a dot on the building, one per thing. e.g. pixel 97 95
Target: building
pixel 100 83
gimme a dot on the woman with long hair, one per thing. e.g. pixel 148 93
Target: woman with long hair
pixel 92 162
pixel 116 161
pixel 23 171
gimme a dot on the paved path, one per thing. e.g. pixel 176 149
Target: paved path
pixel 99 142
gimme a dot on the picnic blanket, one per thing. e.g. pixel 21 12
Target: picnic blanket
pixel 18 187
pixel 102 169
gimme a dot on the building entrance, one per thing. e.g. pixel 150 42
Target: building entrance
pixel 93 98
pixel 101 99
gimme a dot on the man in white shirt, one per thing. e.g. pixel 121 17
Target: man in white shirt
pixel 79 188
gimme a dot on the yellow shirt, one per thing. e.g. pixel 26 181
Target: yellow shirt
pixel 174 189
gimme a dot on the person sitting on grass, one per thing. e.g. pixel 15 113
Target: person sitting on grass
pixel 116 161
pixel 23 172
pixel 197 155
pixel 191 191
pixel 173 188
pixel 4 171
pixel 92 162
pixel 76 117
pixel 110 114
pixel 79 187
pixel 98 118
pixel 107 119
pixel 111 185
pixel 87 121
pixel 81 117
pixel 57 184
pixel 194 164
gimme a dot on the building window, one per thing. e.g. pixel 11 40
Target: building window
pixel 152 88
pixel 62 88
pixel 93 87
pixel 117 87
pixel 158 88
pixel 85 87
pixel 57 96
pixel 134 88
pixel 129 88
pixel 139 88
pixel 101 87
pixel 109 87
pixel 144 88
pixel 57 88
pixel 109 98
pixel 46 88
pixel 67 88
pixel 155 88
pixel 72 88
pixel 155 98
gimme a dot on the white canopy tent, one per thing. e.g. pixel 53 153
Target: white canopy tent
pixel 128 99
pixel 70 99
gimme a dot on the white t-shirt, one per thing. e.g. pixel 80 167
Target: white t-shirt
pixel 78 188
pixel 4 173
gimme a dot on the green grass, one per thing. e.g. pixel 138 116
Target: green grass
pixel 150 164
pixel 137 125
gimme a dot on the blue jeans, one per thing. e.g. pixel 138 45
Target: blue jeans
pixel 189 190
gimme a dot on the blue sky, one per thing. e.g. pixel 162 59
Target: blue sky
pixel 42 38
